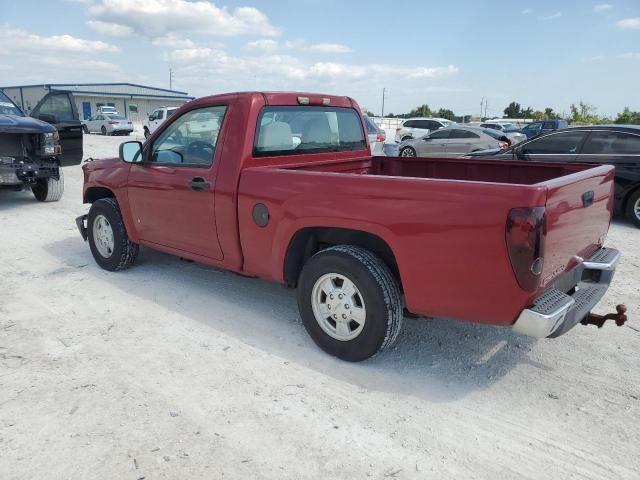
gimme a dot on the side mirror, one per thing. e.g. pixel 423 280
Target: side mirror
pixel 131 152
pixel 151 118
pixel 49 118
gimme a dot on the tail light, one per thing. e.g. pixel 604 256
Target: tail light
pixel 503 145
pixel 381 137
pixel 526 234
pixel 113 123
pixel 398 129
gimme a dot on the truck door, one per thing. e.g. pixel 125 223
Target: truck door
pixel 59 109
pixel 171 193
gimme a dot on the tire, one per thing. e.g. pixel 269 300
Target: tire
pixel 104 130
pixel 146 132
pixel 123 252
pixel 49 189
pixel 377 295
pixel 408 152
pixel 85 130
pixel 632 210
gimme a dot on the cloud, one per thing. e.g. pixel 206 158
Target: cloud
pixel 15 41
pixel 526 11
pixel 553 16
pixel 172 40
pixel 630 55
pixel 112 29
pixel 205 62
pixel 632 23
pixel 265 44
pixel 602 7
pixel 329 48
pixel 157 18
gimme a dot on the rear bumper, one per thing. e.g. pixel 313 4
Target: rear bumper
pixel 570 300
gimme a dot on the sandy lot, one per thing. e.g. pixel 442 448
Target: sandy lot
pixel 173 370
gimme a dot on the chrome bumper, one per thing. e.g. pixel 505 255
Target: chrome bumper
pixel 554 312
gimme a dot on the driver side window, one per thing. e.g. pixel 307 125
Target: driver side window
pixel 190 140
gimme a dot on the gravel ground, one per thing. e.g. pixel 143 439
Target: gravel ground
pixel 176 370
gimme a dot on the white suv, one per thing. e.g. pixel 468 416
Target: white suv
pixel 419 127
pixel 156 118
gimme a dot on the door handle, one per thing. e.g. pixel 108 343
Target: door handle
pixel 198 184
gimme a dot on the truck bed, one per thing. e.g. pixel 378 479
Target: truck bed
pixel 445 218
pixel 519 172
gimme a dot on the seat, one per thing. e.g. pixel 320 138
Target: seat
pixel 275 136
pixel 317 130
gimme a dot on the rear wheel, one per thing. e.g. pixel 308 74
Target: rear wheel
pixel 408 152
pixel 108 239
pixel 104 130
pixel 349 302
pixel 146 132
pixel 49 189
pixel 633 208
pixel 85 129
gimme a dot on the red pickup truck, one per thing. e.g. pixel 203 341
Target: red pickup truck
pixel 282 186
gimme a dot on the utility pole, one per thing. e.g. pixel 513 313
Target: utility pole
pixel 481 105
pixel 170 79
pixel 486 102
pixel 384 91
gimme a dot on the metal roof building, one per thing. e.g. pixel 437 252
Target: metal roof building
pixel 131 100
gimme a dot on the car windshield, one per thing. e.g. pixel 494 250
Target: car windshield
pixel 117 117
pixel 7 107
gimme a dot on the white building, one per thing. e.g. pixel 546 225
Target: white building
pixel 133 101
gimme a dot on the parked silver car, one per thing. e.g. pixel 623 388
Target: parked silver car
pixel 508 128
pixel 107 125
pixel 453 141
pixel 377 136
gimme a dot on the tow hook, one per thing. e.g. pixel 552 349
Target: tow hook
pixel 599 320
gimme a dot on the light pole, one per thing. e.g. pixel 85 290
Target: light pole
pixel 384 91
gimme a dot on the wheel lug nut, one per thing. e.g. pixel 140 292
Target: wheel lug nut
pixel 346 305
pixel 335 316
pixel 331 296
pixel 329 307
pixel 344 316
pixel 340 296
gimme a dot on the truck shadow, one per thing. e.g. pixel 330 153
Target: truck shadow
pixel 436 360
pixel 10 199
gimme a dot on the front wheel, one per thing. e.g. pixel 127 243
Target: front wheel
pixel 146 133
pixel 108 239
pixel 49 189
pixel 633 208
pixel 408 152
pixel 104 130
pixel 350 302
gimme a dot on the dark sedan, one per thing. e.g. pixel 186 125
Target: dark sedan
pixel 617 145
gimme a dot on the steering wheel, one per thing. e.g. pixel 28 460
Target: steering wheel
pixel 201 150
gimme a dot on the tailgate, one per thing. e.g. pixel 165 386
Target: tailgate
pixel 579 208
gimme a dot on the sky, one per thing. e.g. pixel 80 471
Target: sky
pixel 447 54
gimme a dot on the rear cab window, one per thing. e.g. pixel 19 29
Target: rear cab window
pixel 294 130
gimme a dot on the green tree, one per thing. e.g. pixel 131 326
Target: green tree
pixel 585 113
pixel 514 110
pixel 445 113
pixel 550 114
pixel 628 117
pixel 538 115
pixel 421 111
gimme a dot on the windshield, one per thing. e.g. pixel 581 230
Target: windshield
pixel 117 117
pixel 7 107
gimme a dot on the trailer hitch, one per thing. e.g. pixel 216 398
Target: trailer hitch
pixel 599 320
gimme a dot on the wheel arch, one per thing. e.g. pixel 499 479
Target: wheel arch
pixel 307 241
pixel 96 193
